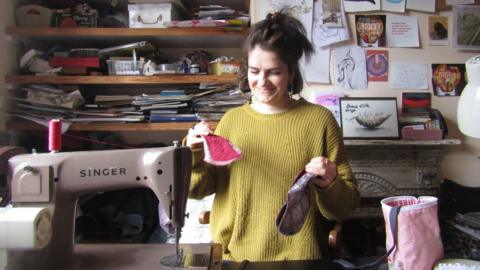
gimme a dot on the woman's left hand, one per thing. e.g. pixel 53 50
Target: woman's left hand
pixel 325 170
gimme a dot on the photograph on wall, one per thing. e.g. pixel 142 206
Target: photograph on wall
pixel 377 65
pixel 349 69
pixel 369 118
pixel 448 79
pixel 393 5
pixel 370 30
pixel 466 27
pixel 416 102
pixel 437 30
pixel 361 5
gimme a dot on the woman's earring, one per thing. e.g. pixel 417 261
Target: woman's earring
pixel 290 90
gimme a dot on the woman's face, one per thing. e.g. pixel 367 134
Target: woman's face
pixel 268 77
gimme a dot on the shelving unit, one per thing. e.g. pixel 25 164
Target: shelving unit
pixel 164 38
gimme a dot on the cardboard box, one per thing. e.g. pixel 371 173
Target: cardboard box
pixel 224 67
pixel 153 15
pixel 34 16
pixel 410 133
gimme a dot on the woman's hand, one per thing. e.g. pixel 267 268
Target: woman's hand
pixel 194 136
pixel 325 170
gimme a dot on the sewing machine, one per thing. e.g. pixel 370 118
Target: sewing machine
pixel 56 180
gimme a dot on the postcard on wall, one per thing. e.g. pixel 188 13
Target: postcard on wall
pixel 370 30
pixel 421 5
pixel 394 5
pixel 448 79
pixel 402 31
pixel 322 35
pixel 466 25
pixel 361 5
pixel 437 30
pixel 331 15
pixel 331 101
pixel 408 76
pixel 349 68
pixel 377 65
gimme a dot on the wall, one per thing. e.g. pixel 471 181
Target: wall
pixel 460 163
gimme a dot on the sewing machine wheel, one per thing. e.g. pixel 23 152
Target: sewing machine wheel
pixel 6 152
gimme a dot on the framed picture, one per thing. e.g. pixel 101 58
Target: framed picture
pixel 369 118
pixel 466 22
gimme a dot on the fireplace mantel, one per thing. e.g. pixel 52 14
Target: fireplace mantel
pixel 394 167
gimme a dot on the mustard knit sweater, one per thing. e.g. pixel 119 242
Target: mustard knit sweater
pixel 251 191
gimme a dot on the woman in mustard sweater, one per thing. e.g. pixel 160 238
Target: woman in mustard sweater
pixel 279 137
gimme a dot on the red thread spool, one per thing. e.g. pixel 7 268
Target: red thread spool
pixel 54 135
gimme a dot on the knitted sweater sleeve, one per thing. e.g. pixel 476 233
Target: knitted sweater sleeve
pixel 339 200
pixel 204 175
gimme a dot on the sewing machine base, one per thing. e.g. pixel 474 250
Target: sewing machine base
pixel 122 256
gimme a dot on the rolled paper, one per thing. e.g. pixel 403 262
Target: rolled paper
pixel 25 227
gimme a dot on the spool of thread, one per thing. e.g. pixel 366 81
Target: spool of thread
pixel 25 227
pixel 54 135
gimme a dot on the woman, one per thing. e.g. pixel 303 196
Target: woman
pixel 279 137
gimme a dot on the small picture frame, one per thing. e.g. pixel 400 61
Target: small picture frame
pixel 369 118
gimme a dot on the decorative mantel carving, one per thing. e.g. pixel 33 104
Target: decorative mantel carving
pixel 390 168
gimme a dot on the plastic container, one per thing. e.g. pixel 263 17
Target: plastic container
pixel 125 67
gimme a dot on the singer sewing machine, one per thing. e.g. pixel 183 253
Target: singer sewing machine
pixel 56 180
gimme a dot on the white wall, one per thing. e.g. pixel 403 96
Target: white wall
pixel 460 163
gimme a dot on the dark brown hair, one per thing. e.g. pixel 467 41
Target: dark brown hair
pixel 283 35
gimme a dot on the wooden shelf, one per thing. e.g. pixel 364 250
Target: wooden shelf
pixel 218 37
pixel 115 32
pixel 162 79
pixel 107 127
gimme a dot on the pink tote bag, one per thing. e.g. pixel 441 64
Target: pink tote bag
pixel 418 244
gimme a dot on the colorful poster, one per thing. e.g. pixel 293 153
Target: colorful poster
pixel 370 30
pixel 361 5
pixel 377 65
pixel 437 30
pixel 448 79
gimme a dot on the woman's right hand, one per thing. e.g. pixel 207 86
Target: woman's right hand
pixel 194 136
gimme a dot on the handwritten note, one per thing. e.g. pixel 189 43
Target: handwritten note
pixel 408 76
